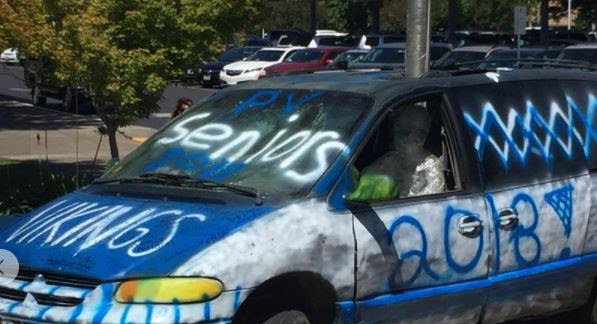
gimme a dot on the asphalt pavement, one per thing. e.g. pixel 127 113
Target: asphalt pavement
pixel 13 88
pixel 29 132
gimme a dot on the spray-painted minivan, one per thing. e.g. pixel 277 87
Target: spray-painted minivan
pixel 332 197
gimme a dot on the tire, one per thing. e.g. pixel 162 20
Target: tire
pixel 588 313
pixel 288 317
pixel 296 298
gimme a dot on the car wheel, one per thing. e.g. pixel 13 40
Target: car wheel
pixel 588 313
pixel 298 298
pixel 288 317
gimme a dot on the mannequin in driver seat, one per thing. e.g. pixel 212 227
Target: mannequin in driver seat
pixel 406 170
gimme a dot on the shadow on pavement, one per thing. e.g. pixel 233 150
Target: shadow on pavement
pixel 14 115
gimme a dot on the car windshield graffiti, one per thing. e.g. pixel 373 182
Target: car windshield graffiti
pixel 275 141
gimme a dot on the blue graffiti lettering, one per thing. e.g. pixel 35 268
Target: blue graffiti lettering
pixel 561 202
pixel 525 232
pixel 259 99
pixel 460 268
pixel 290 106
pixel 420 254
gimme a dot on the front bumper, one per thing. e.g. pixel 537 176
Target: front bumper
pixel 9 59
pixel 99 306
pixel 210 77
pixel 235 79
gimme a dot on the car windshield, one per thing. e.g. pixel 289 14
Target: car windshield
pixel 275 141
pixel 265 55
pixel 584 55
pixel 385 55
pixel 305 56
pixel 236 54
pixel 457 57
pixel 349 57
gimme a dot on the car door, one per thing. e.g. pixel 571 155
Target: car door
pixel 424 258
pixel 530 141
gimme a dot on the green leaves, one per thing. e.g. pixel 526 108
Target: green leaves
pixel 123 52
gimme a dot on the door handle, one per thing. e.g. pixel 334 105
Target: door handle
pixel 507 218
pixel 469 225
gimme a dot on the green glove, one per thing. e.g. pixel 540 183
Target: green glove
pixel 372 187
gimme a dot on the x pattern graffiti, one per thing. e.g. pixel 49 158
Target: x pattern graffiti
pixel 577 125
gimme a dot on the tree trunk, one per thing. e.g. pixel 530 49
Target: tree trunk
pixel 312 17
pixel 452 13
pixel 112 128
pixel 544 21
pixel 374 8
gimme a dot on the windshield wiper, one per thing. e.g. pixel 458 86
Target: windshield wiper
pixel 187 181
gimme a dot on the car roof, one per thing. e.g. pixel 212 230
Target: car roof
pixel 384 85
pixel 583 45
pixel 479 48
pixel 282 49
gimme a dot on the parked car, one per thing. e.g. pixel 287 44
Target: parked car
pixel 252 206
pixel 334 41
pixel 209 74
pixel 10 56
pixel 252 67
pixel 392 56
pixel 39 77
pixel 483 37
pixel 507 58
pixel 374 40
pixel 288 37
pixel 584 53
pixel 459 57
pixel 309 59
pixel 344 59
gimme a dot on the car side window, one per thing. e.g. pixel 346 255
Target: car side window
pixel 409 154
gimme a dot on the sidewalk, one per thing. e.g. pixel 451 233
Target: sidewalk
pixel 28 132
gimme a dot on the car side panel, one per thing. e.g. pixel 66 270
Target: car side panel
pixel 425 251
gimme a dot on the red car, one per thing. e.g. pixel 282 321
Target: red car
pixel 308 59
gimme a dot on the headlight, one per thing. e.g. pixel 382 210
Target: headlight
pixel 253 70
pixel 168 290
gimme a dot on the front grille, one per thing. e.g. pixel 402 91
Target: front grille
pixel 42 299
pixel 233 72
pixel 58 279
pixel 27 276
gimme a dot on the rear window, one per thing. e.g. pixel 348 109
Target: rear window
pixel 265 55
pixel 385 55
pixel 588 55
pixel 305 56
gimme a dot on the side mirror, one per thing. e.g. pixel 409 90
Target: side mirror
pixel 328 61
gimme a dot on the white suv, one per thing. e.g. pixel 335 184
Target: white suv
pixel 252 68
pixel 10 56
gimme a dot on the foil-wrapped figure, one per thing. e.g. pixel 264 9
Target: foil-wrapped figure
pixel 408 169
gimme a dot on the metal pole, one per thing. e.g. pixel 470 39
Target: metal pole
pixel 417 37
pixel 569 14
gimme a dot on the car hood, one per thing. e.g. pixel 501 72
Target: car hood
pixel 109 238
pixel 248 65
pixel 215 65
pixel 288 66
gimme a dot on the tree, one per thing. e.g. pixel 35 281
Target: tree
pixel 123 52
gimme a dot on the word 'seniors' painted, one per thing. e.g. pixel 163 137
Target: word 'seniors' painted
pixel 222 142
